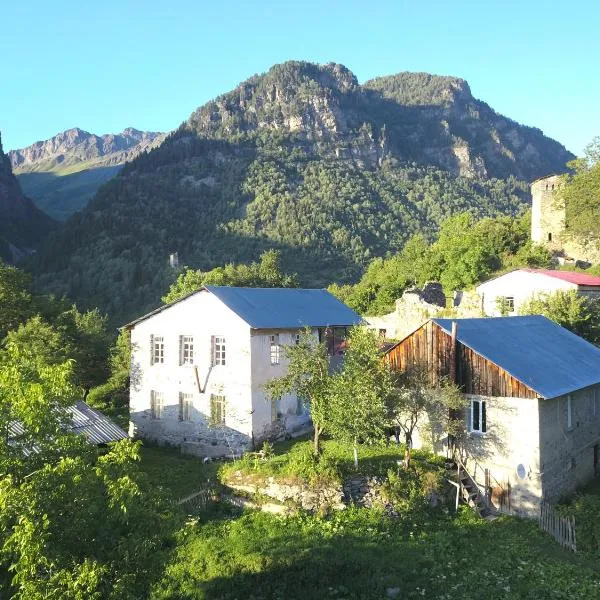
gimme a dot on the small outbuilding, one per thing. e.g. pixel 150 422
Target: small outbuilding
pixel 533 392
pixel 505 294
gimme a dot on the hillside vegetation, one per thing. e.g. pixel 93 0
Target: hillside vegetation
pixel 304 160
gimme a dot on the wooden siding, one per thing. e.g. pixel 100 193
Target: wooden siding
pixel 430 345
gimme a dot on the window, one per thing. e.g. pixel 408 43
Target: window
pixel 382 333
pixel 186 350
pixel 549 237
pixel 185 406
pixel 218 354
pixel 156 404
pixel 274 348
pixel 297 339
pixel 217 410
pixel 478 416
pixel 509 303
pixel 569 412
pixel 157 345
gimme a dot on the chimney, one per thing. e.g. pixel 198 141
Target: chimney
pixel 453 353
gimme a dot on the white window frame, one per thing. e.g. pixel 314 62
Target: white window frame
pixel 186 404
pixel 186 352
pixel 218 400
pixel 219 350
pixel 481 416
pixel 157 404
pixel 158 349
pixel 274 349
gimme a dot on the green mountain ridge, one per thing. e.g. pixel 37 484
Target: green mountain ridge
pixel 303 159
pixel 62 173
pixel 22 225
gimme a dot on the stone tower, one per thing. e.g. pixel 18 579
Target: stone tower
pixel 547 213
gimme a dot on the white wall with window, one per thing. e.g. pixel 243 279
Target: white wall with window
pixel 186 355
pixel 508 292
pixel 186 349
pixel 478 420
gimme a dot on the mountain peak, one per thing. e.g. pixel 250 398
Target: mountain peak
pixel 421 89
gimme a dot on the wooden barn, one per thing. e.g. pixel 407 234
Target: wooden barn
pixel 533 391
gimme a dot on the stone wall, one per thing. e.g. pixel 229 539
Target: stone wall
pixel 358 490
pixel 567 451
pixel 418 305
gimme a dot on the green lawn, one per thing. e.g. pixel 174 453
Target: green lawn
pixel 356 553
pixel 360 554
pixel 293 460
pixel 179 473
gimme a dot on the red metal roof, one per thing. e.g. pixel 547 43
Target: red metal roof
pixel 582 279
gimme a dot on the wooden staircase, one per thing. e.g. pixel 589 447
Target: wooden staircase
pixel 473 495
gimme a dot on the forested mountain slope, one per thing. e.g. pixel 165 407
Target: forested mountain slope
pixel 22 225
pixel 305 160
pixel 62 174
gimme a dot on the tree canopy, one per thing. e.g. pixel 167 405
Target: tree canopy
pixel 265 273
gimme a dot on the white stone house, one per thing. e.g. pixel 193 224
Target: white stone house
pixel 514 288
pixel 199 365
pixel 533 395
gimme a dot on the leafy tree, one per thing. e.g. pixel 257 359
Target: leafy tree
pixel 580 195
pixel 570 310
pixel 414 402
pixel 308 376
pixel 15 298
pixel 112 397
pixel 83 528
pixel 358 391
pixel 265 273
pixel 79 336
pixel 89 344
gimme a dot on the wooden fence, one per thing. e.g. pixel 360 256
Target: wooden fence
pixel 562 529
pixel 197 501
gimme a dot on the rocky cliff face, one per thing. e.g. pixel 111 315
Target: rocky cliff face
pixel 61 174
pixel 76 146
pixel 22 225
pixel 409 116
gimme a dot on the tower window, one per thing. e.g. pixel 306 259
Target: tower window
pixel 549 237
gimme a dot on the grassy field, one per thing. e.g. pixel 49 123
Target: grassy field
pixel 180 474
pixel 356 553
pixel 360 554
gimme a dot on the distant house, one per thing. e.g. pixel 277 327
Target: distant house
pixel 199 365
pixel 533 391
pixel 514 288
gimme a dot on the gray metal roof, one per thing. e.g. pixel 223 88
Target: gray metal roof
pixel 85 420
pixel 275 308
pixel 95 426
pixel 270 308
pixel 549 359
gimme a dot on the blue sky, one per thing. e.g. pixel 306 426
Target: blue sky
pixel 110 64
